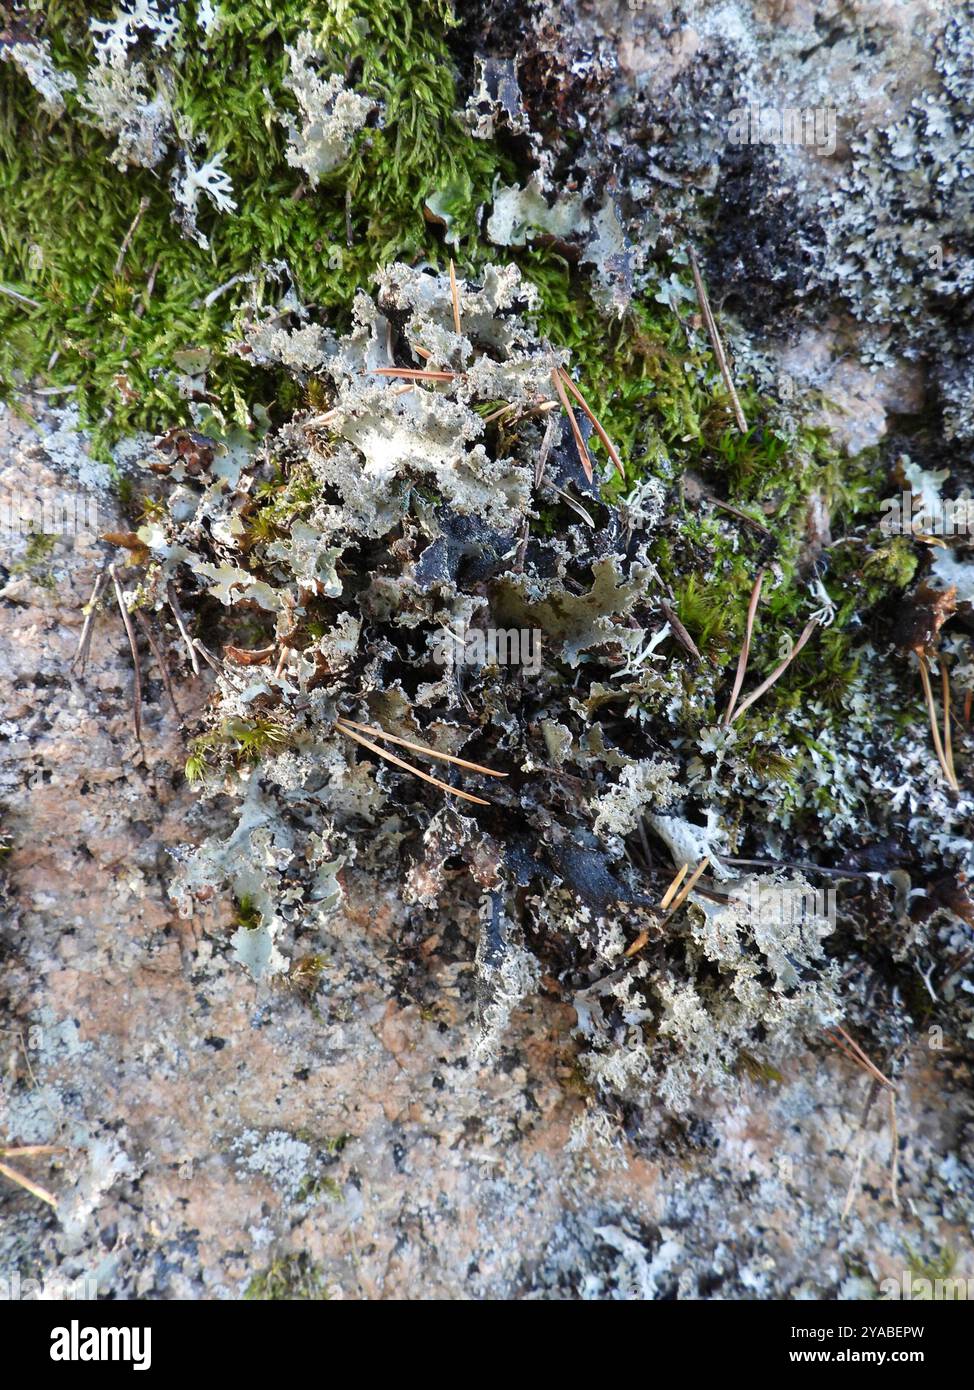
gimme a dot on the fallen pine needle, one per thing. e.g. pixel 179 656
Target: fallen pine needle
pixel 736 511
pixel 854 1180
pixel 455 296
pixel 414 373
pixel 160 661
pixel 948 737
pixel 130 634
pixel 580 444
pixel 688 887
pixel 778 671
pixel 28 1184
pixel 851 1049
pixel 420 748
pixel 32 1150
pixel 946 766
pixel 637 945
pixel 81 655
pixel 894 1140
pixel 680 632
pixel 209 658
pixel 596 424
pixel 718 346
pixel 408 767
pixel 177 613
pixel 678 878
pixel 742 660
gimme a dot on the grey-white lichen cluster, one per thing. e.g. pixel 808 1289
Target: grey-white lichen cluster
pixel 346 544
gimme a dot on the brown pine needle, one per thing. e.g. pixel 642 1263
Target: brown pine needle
pixel 414 373
pixel 934 729
pixel 742 660
pixel 718 346
pixel 853 1050
pixel 678 878
pixel 665 901
pixel 160 661
pixel 408 767
pixel 596 424
pixel 688 887
pixel 948 738
pixel 894 1160
pixel 680 632
pixel 455 295
pixel 778 671
pixel 31 1150
pixel 420 748
pixel 854 1181
pixel 177 613
pixel 84 642
pixel 736 511
pixel 33 1188
pixel 580 444
pixel 130 634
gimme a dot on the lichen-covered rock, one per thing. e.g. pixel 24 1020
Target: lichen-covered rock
pixel 575 723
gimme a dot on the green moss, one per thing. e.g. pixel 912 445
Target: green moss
pixel 279 502
pixel 762 1072
pixel 938 1267
pixel 235 741
pixel 319 1189
pixel 292 1277
pixel 65 209
pixel 35 560
pixel 248 914
pixel 635 373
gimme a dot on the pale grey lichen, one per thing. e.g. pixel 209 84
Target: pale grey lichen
pixel 330 114
pixel 347 542
pixel 189 183
pixel 650 782
pixel 121 101
pixel 33 57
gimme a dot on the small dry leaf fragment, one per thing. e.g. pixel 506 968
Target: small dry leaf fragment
pixel 922 616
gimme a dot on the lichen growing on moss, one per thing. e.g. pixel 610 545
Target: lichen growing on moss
pixel 175 99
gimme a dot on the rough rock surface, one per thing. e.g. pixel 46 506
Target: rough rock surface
pixel 340 1140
